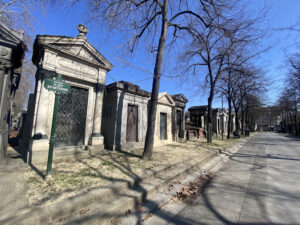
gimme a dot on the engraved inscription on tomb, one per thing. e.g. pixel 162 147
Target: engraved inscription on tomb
pixel 77 68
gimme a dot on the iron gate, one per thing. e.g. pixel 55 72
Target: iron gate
pixel 71 117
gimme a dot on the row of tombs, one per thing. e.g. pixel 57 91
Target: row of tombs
pixel 91 116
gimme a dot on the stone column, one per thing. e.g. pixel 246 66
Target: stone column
pixel 182 120
pixel 39 143
pixel 2 75
pixel 42 112
pixel 97 138
pixel 3 111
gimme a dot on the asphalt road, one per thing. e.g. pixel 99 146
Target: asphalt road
pixel 260 184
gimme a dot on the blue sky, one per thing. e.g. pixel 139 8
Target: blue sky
pixel 282 13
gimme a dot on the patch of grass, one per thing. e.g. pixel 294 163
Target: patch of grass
pixel 105 163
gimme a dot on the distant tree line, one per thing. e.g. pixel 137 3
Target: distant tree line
pixel 289 100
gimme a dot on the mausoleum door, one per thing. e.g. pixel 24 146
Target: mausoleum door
pixel 178 121
pixel 132 124
pixel 163 126
pixel 71 117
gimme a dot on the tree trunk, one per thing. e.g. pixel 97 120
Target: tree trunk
pixel 242 120
pixel 229 118
pixel 290 124
pixel 237 124
pixel 295 119
pixel 149 141
pixel 247 117
pixel 209 115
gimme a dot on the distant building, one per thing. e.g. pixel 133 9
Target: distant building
pixel 198 116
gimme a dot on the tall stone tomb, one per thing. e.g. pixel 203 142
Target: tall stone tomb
pixel 125 114
pixel 78 125
pixel 11 55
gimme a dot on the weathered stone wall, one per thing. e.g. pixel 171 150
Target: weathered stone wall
pixel 115 125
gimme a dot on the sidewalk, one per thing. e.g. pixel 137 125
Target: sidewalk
pixel 13 186
pixel 108 177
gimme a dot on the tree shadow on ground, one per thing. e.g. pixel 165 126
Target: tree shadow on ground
pixel 119 161
pixel 208 202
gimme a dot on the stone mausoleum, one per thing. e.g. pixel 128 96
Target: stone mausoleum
pixel 164 119
pixel 125 112
pixel 78 125
pixel 11 54
pixel 198 116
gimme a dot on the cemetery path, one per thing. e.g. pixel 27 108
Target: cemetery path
pixel 259 185
pixel 13 186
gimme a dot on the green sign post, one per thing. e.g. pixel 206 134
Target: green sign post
pixel 58 86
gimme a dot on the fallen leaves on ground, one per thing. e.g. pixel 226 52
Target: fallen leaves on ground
pixel 83 211
pixel 116 221
pixel 190 190
pixel 139 208
pixel 147 216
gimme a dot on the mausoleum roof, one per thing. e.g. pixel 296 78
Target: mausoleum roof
pixel 13 40
pixel 127 87
pixel 166 99
pixel 180 98
pixel 75 47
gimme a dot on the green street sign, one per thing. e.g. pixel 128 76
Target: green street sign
pixel 57 85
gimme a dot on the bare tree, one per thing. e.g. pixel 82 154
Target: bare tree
pixel 290 98
pixel 253 103
pixel 17 15
pixel 250 82
pixel 288 104
pixel 228 29
pixel 229 81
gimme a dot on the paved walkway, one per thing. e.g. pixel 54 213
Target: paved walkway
pixel 259 185
pixel 13 186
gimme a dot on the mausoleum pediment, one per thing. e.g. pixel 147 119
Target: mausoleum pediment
pixel 180 97
pixel 77 48
pixel 166 99
pixel 10 35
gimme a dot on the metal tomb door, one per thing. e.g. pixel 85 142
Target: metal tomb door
pixel 132 124
pixel 71 117
pixel 163 126
pixel 178 121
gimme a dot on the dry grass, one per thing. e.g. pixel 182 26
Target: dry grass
pixel 72 177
